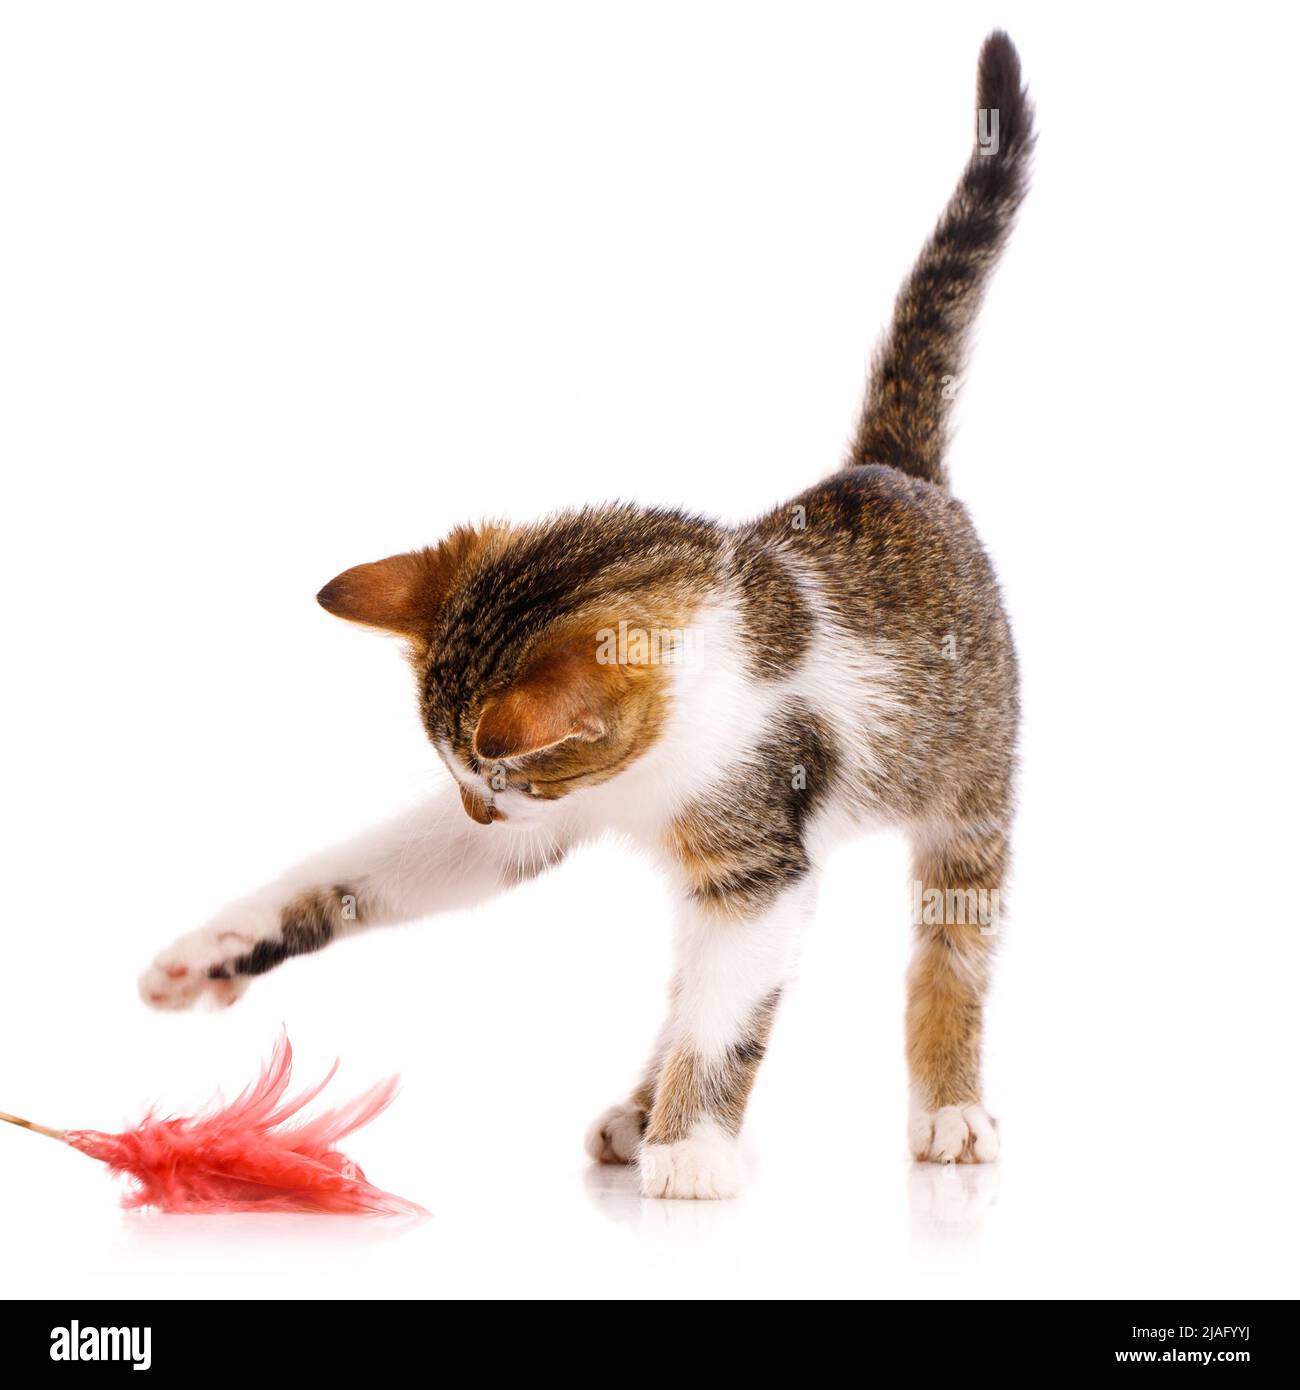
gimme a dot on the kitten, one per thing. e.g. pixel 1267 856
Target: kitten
pixel 735 700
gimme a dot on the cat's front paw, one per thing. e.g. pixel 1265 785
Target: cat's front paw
pixel 614 1137
pixel 953 1134
pixel 705 1165
pixel 191 969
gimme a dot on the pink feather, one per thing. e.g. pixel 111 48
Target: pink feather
pixel 245 1156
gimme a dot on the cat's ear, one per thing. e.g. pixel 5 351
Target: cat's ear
pixel 402 593
pixel 393 594
pixel 564 695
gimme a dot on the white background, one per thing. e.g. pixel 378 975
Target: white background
pixel 289 287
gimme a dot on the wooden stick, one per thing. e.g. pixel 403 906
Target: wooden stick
pixel 28 1124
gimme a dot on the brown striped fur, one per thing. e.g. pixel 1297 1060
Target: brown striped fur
pixel 873 583
pixel 502 625
pixel 308 923
pixel 905 418
pixel 688 1087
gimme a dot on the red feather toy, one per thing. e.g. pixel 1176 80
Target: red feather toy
pixel 244 1156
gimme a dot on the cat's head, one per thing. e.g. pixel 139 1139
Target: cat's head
pixel 542 653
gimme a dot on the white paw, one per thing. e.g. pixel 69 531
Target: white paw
pixel 705 1165
pixel 955 1134
pixel 181 975
pixel 615 1136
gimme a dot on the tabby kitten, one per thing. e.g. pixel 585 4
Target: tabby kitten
pixel 735 700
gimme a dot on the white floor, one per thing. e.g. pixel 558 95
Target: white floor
pixel 1136 1058
pixel 859 1230
pixel 1133 1063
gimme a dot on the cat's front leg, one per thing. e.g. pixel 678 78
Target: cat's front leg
pixel 433 858
pixel 731 969
pixel 615 1135
pixel 218 962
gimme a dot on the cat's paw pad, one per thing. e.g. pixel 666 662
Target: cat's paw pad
pixel 954 1134
pixel 616 1134
pixel 705 1166
pixel 182 975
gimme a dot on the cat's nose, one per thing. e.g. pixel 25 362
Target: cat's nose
pixel 476 808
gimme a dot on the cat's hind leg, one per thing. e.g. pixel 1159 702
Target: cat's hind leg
pixel 958 870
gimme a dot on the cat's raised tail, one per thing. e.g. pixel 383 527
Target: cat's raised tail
pixel 916 368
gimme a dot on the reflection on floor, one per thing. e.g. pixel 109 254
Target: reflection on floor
pixel 945 1202
pixel 948 1201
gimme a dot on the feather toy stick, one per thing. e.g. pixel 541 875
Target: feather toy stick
pixel 244 1157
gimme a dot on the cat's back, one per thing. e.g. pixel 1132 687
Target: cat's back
pixel 892 555
pixel 894 579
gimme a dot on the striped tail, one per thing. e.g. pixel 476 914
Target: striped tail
pixel 914 375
